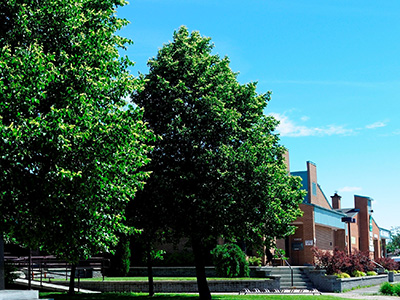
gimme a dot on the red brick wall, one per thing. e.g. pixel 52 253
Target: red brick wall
pixel 324 238
pixel 377 240
pixel 354 234
pixel 363 222
pixel 319 198
pixel 340 239
pixel 308 233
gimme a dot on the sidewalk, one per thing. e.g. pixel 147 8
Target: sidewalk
pixel 50 286
pixel 370 293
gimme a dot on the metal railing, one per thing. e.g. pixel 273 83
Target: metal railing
pixel 290 267
pixel 43 268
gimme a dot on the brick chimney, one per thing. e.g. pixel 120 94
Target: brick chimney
pixel 286 160
pixel 336 201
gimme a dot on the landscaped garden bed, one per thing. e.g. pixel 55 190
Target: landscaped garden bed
pixel 338 271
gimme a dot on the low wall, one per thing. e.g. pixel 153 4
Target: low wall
pixel 330 283
pixel 181 271
pixel 175 286
pixel 170 271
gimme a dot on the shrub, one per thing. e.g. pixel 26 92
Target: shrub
pixel 9 274
pixel 254 261
pixel 345 275
pixel 396 289
pixel 342 275
pixel 357 273
pixel 386 288
pixel 182 258
pixel 360 261
pixel 336 262
pixel 120 261
pixel 388 263
pixel 371 273
pixel 230 261
pixel 340 262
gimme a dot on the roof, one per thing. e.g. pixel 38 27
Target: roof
pixel 350 212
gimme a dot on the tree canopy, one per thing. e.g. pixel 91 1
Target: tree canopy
pixel 71 147
pixel 218 167
pixel 394 244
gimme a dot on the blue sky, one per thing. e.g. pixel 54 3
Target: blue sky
pixel 334 70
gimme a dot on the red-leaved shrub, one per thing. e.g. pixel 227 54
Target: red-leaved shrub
pixel 388 263
pixel 339 261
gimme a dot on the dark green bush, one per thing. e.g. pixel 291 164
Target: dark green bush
pixel 255 261
pixel 386 288
pixel 230 261
pixel 120 261
pixel 396 289
pixel 182 258
pixel 9 274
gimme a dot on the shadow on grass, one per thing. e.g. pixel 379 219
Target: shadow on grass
pixel 117 296
pixel 137 296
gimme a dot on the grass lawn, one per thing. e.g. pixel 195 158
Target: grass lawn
pixel 136 296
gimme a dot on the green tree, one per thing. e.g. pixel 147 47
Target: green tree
pixel 71 148
pixel 394 245
pixel 218 169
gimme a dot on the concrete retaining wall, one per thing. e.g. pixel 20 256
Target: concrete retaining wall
pixel 170 272
pixel 330 283
pixel 180 271
pixel 174 286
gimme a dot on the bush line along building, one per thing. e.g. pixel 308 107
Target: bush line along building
pixel 326 225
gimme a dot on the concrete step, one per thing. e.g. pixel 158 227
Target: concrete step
pixel 18 295
pixel 285 271
pixel 300 280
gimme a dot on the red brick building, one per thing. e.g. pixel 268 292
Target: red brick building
pixel 326 225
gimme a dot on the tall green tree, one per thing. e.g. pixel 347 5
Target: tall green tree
pixel 218 168
pixel 394 245
pixel 71 147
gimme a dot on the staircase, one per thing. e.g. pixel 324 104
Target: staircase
pixel 300 279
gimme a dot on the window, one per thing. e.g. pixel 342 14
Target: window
pixel 314 189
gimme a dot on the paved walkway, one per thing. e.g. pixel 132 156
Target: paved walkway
pixel 50 286
pixel 371 293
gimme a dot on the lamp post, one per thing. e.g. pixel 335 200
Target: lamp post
pixel 349 220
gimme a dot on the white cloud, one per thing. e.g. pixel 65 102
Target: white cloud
pixel 305 118
pixel 288 127
pixel 376 125
pixel 350 189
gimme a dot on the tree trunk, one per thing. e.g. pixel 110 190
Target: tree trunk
pixel 71 290
pixel 202 284
pixel 150 273
pixel 30 269
pixel 2 275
